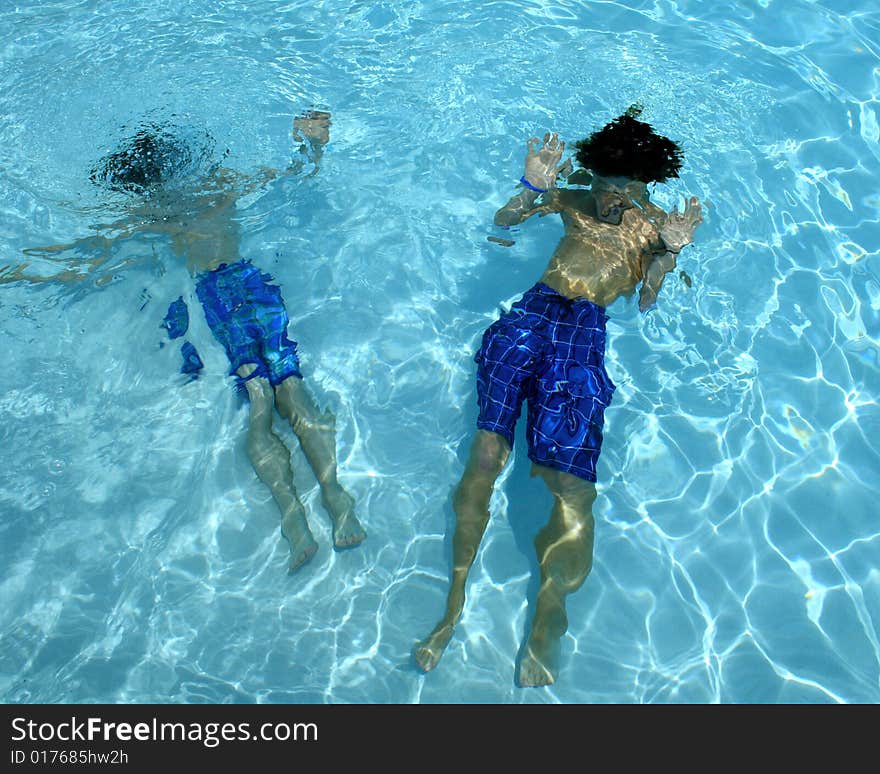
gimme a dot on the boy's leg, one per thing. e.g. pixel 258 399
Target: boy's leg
pixel 271 460
pixel 471 503
pixel 565 553
pixel 317 436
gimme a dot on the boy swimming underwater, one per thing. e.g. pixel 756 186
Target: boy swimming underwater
pixel 549 350
pixel 243 308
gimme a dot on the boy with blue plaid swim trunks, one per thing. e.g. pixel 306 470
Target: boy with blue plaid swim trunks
pixel 247 316
pixel 549 351
pixel 243 309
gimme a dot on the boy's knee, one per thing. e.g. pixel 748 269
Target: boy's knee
pixel 489 462
pixel 271 461
pixel 307 421
pixel 299 409
pixel 262 444
pixel 489 453
pixel 577 489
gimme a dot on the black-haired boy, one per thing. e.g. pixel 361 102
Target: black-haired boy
pixel 549 350
pixel 173 188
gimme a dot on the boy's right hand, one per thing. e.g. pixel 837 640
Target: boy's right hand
pixel 312 125
pixel 542 163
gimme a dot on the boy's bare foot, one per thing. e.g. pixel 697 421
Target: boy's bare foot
pixel 427 653
pixel 302 543
pixel 539 662
pixel 347 530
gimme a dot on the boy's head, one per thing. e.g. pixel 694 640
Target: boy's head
pixel 630 148
pixel 150 159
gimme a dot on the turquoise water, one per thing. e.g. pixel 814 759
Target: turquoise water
pixel 738 544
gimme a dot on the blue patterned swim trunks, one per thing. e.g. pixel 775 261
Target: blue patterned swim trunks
pixel 549 350
pixel 246 314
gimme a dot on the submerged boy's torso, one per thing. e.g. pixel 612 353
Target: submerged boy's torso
pixel 206 239
pixel 601 261
pixel 201 225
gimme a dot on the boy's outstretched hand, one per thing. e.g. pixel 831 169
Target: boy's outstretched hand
pixel 314 126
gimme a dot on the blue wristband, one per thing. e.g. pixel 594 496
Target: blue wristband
pixel 528 185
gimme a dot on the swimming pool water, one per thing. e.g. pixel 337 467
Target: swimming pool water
pixel 737 546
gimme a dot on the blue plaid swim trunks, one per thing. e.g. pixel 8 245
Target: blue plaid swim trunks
pixel 246 314
pixel 549 350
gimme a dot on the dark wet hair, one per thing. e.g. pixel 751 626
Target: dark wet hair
pixel 627 147
pixel 154 156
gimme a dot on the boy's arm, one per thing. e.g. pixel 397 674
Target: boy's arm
pixel 97 247
pixel 95 250
pixel 676 232
pixel 661 264
pixel 73 271
pixel 312 131
pixel 541 170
